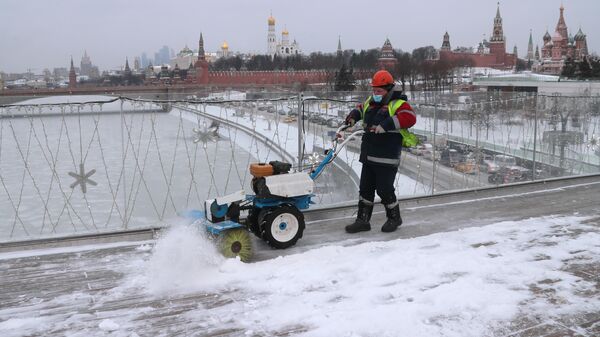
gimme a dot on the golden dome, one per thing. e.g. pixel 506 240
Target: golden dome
pixel 271 20
pixel 285 32
pixel 225 45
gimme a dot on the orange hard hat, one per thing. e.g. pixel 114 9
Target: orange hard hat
pixel 382 78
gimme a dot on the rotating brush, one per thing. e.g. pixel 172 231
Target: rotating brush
pixel 236 242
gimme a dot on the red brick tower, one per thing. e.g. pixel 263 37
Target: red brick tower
pixel 72 76
pixel 201 65
pixel 497 42
pixel 387 60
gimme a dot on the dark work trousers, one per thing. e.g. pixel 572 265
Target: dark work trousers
pixel 378 177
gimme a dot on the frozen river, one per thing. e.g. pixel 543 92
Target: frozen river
pixel 143 168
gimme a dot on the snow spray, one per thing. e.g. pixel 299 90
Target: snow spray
pixel 182 258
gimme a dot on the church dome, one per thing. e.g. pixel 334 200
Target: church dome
pixel 285 32
pixel 185 51
pixel 225 45
pixel 547 36
pixel 579 36
pixel 271 20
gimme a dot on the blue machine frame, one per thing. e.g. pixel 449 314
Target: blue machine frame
pixel 301 202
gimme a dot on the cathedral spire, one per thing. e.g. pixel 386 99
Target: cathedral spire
pixel 201 55
pixel 72 75
pixel 446 42
pixel 339 49
pixel 498 12
pixel 497 33
pixel 530 47
pixel 561 26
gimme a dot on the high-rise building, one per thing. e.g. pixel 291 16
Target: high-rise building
pixel 162 56
pixel 144 60
pixel 87 68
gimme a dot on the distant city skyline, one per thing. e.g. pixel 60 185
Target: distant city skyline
pixel 39 34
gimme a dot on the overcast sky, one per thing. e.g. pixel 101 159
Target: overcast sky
pixel 38 34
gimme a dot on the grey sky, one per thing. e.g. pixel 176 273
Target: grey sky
pixel 40 34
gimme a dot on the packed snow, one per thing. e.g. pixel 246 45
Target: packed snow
pixel 465 283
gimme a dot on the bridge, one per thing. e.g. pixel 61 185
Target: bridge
pixel 74 263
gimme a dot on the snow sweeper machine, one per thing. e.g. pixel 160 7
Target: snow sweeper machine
pixel 274 211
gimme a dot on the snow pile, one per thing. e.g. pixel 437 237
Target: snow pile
pixel 108 325
pixel 464 283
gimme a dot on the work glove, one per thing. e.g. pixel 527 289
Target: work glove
pixel 379 129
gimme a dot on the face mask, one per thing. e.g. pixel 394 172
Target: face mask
pixel 377 98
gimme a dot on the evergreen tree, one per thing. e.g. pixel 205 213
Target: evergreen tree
pixel 585 71
pixel 344 79
pixel 569 68
pixel 522 65
pixel 595 65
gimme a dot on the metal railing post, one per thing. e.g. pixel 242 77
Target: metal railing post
pixel 434 143
pixel 300 134
pixel 123 163
pixel 533 169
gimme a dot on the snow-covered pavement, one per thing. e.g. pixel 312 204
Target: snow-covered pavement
pixel 535 276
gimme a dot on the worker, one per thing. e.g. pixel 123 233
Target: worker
pixel 383 114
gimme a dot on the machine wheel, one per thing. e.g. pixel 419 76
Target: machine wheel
pixel 282 226
pixel 236 242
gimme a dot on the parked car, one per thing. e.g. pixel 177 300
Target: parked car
pixel 431 154
pixel 469 166
pixel 497 162
pixel 420 149
pixel 450 157
pixel 506 175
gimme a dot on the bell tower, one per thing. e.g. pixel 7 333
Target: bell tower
pixel 271 39
pixel 497 42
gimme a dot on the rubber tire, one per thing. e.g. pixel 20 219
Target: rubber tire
pixel 271 222
pixel 236 243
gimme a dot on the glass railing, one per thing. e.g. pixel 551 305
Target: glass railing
pixel 95 163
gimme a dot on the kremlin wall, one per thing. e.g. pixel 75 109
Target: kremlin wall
pixel 555 51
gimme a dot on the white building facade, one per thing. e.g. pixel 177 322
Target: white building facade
pixel 284 48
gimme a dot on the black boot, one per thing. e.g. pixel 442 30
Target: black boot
pixel 392 211
pixel 361 224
